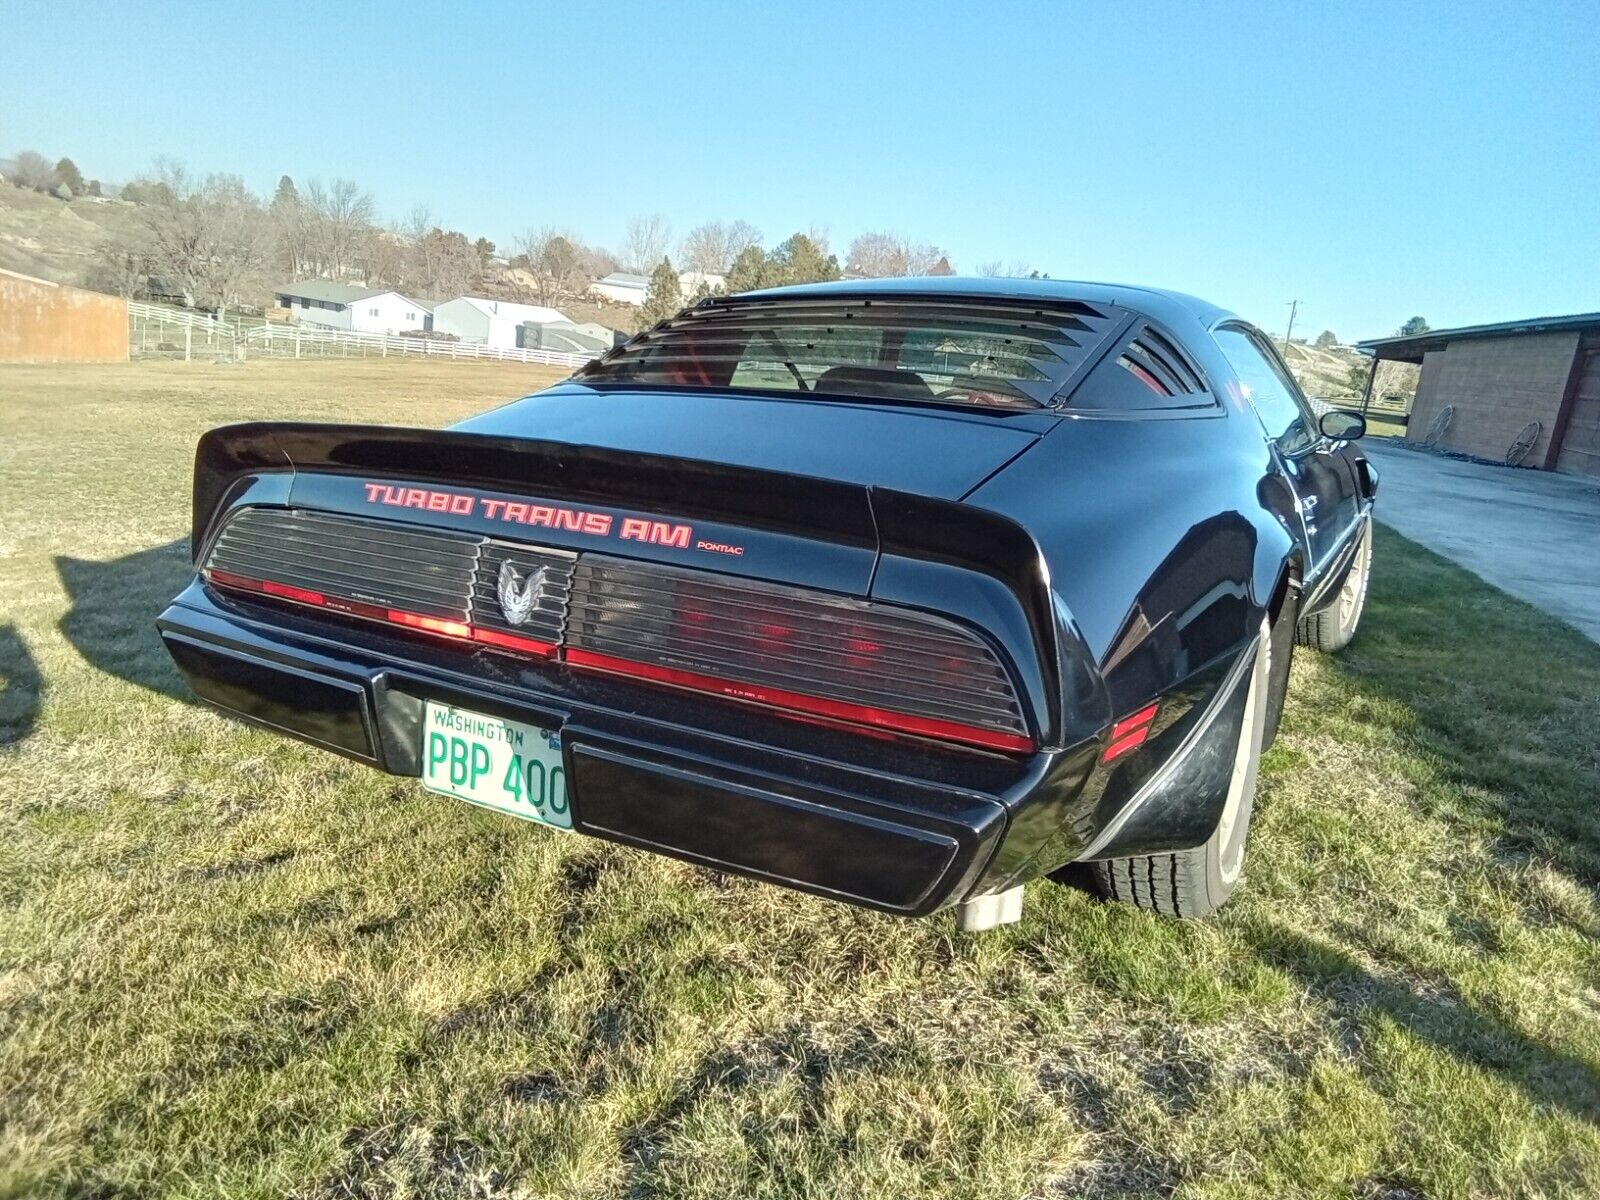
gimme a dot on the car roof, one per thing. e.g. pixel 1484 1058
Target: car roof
pixel 1170 308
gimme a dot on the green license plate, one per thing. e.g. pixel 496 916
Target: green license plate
pixel 504 765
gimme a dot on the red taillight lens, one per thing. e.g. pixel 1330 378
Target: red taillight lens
pixel 453 629
pixel 879 718
pixel 793 649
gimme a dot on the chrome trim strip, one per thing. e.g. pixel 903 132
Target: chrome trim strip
pixel 1313 585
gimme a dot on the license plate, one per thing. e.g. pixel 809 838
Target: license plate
pixel 503 765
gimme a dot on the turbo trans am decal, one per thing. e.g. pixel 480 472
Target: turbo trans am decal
pixel 548 516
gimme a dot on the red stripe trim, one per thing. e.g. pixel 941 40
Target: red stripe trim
pixel 761 694
pixel 440 626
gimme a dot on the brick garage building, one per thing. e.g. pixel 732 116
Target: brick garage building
pixel 1499 378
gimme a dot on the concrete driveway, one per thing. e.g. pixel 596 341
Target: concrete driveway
pixel 1534 534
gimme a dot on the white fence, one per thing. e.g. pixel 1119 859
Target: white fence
pixel 157 331
pixel 299 341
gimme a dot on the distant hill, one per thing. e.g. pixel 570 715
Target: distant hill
pixel 1339 375
pixel 55 239
pixel 1326 374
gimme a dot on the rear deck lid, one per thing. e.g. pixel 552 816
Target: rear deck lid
pixel 928 452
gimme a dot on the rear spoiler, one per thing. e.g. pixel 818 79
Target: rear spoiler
pixel 902 528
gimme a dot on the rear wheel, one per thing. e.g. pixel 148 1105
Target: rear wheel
pixel 1333 628
pixel 1195 883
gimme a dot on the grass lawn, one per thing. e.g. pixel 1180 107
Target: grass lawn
pixel 1378 427
pixel 235 966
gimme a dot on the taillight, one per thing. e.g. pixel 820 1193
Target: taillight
pixel 806 654
pixel 793 649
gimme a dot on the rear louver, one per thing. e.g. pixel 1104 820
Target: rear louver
pixel 1156 363
pixel 788 648
pixel 901 346
pixel 791 648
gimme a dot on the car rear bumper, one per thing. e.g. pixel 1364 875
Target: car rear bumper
pixel 889 840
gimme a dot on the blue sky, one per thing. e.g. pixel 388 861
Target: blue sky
pixel 1371 160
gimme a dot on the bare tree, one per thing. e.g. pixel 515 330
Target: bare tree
pixel 119 268
pixel 646 242
pixel 598 263
pixel 212 239
pixel 339 216
pixel 1016 269
pixel 881 255
pixel 33 170
pixel 705 248
pixel 383 255
pixel 438 262
pixel 712 247
pixel 558 262
pixel 876 255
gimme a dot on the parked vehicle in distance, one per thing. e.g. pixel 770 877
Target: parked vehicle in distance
pixel 903 592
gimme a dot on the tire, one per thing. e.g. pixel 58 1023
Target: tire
pixel 1195 883
pixel 1332 629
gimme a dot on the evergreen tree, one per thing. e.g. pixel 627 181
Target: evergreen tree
pixel 1326 340
pixel 665 296
pixel 749 270
pixel 1414 326
pixel 67 173
pixel 287 196
pixel 800 260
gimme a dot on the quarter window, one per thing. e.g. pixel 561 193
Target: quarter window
pixel 1271 391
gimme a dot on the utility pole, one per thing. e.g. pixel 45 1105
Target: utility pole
pixel 1294 307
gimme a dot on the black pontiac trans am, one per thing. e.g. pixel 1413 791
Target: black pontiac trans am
pixel 903 593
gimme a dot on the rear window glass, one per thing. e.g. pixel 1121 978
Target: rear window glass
pixel 1006 354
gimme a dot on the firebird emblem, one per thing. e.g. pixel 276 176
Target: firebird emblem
pixel 518 592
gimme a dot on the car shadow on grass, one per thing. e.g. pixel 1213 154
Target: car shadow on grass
pixel 114 608
pixel 1492 708
pixel 1435 1013
pixel 21 688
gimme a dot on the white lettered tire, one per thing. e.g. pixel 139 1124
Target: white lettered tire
pixel 1195 883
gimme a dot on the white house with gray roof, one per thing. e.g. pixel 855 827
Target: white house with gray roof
pixel 345 306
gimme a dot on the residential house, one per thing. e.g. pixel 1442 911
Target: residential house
pixel 691 282
pixel 621 288
pixel 346 306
